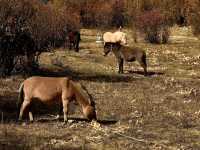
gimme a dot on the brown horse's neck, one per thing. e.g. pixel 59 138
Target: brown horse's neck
pixel 81 96
pixel 84 100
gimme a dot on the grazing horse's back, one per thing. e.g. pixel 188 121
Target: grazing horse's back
pixel 38 87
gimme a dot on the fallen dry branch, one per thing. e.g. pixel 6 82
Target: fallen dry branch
pixel 131 138
pixel 98 127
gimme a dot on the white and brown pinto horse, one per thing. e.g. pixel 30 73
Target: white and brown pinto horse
pixel 50 90
pixel 116 37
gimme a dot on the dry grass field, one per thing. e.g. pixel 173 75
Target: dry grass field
pixel 158 112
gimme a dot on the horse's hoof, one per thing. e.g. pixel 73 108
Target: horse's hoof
pixel 57 117
pixel 24 124
pixel 146 74
pixel 19 122
pixel 64 123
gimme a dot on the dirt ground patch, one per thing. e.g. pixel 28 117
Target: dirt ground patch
pixel 161 111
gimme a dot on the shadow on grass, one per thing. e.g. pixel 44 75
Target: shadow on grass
pixel 150 73
pixel 77 119
pixel 8 107
pixel 8 111
pixel 66 71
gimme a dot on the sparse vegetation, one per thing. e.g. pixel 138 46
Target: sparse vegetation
pixel 32 27
pixel 156 112
pixel 153 24
pixel 29 28
pixel 161 111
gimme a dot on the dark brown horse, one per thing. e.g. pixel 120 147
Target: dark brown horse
pixel 126 53
pixel 73 39
pixel 50 90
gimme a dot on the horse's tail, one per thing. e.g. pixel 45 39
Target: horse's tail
pixel 20 98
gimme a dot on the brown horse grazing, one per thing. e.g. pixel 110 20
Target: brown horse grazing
pixel 126 53
pixel 50 90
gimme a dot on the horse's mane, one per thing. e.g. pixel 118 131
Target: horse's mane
pixel 84 92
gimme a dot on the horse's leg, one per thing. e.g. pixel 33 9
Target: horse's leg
pixel 77 46
pixel 145 70
pixel 142 62
pixel 65 102
pixel 70 45
pixel 30 109
pixel 30 116
pixel 37 57
pixel 25 104
pixel 60 110
pixel 121 63
pixel 74 46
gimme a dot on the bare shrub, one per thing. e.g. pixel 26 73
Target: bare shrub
pixel 102 14
pixel 96 14
pixel 29 27
pixel 152 23
pixel 195 18
pixel 14 37
pixel 175 11
pixel 119 14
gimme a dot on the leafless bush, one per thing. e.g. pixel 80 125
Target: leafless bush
pixel 102 14
pixel 195 19
pixel 29 27
pixel 153 24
